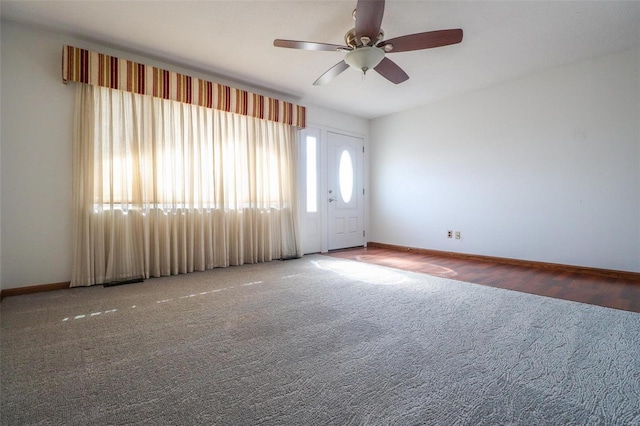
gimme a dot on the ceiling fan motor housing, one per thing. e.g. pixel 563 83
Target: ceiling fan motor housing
pixel 352 40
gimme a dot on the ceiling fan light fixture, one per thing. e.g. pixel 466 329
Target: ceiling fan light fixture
pixel 364 58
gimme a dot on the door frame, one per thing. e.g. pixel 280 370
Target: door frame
pixel 323 188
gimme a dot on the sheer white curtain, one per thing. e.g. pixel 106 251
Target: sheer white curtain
pixel 162 188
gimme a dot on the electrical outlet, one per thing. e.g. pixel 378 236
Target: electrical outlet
pixel 458 235
pixel 449 234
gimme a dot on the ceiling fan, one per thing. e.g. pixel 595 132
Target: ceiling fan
pixel 366 48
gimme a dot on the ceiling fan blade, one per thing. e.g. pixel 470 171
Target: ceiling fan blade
pixel 309 45
pixel 391 71
pixel 369 18
pixel 420 41
pixel 331 73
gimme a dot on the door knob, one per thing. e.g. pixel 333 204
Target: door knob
pixel 332 199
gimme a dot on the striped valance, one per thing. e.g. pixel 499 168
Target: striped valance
pixel 98 69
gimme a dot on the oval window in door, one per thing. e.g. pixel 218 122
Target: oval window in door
pixel 345 176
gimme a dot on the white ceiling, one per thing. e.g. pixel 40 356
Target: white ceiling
pixel 503 40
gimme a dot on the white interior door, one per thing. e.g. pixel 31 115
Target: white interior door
pixel 345 183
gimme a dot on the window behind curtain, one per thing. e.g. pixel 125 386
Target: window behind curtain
pixel 162 187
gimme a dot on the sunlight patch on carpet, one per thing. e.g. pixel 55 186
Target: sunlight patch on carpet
pixel 362 272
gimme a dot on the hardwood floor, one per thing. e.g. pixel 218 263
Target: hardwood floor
pixel 618 293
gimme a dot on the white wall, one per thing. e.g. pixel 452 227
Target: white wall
pixel 544 168
pixel 333 120
pixel 35 169
pixel 36 160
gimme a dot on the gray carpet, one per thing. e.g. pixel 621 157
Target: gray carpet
pixel 315 341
